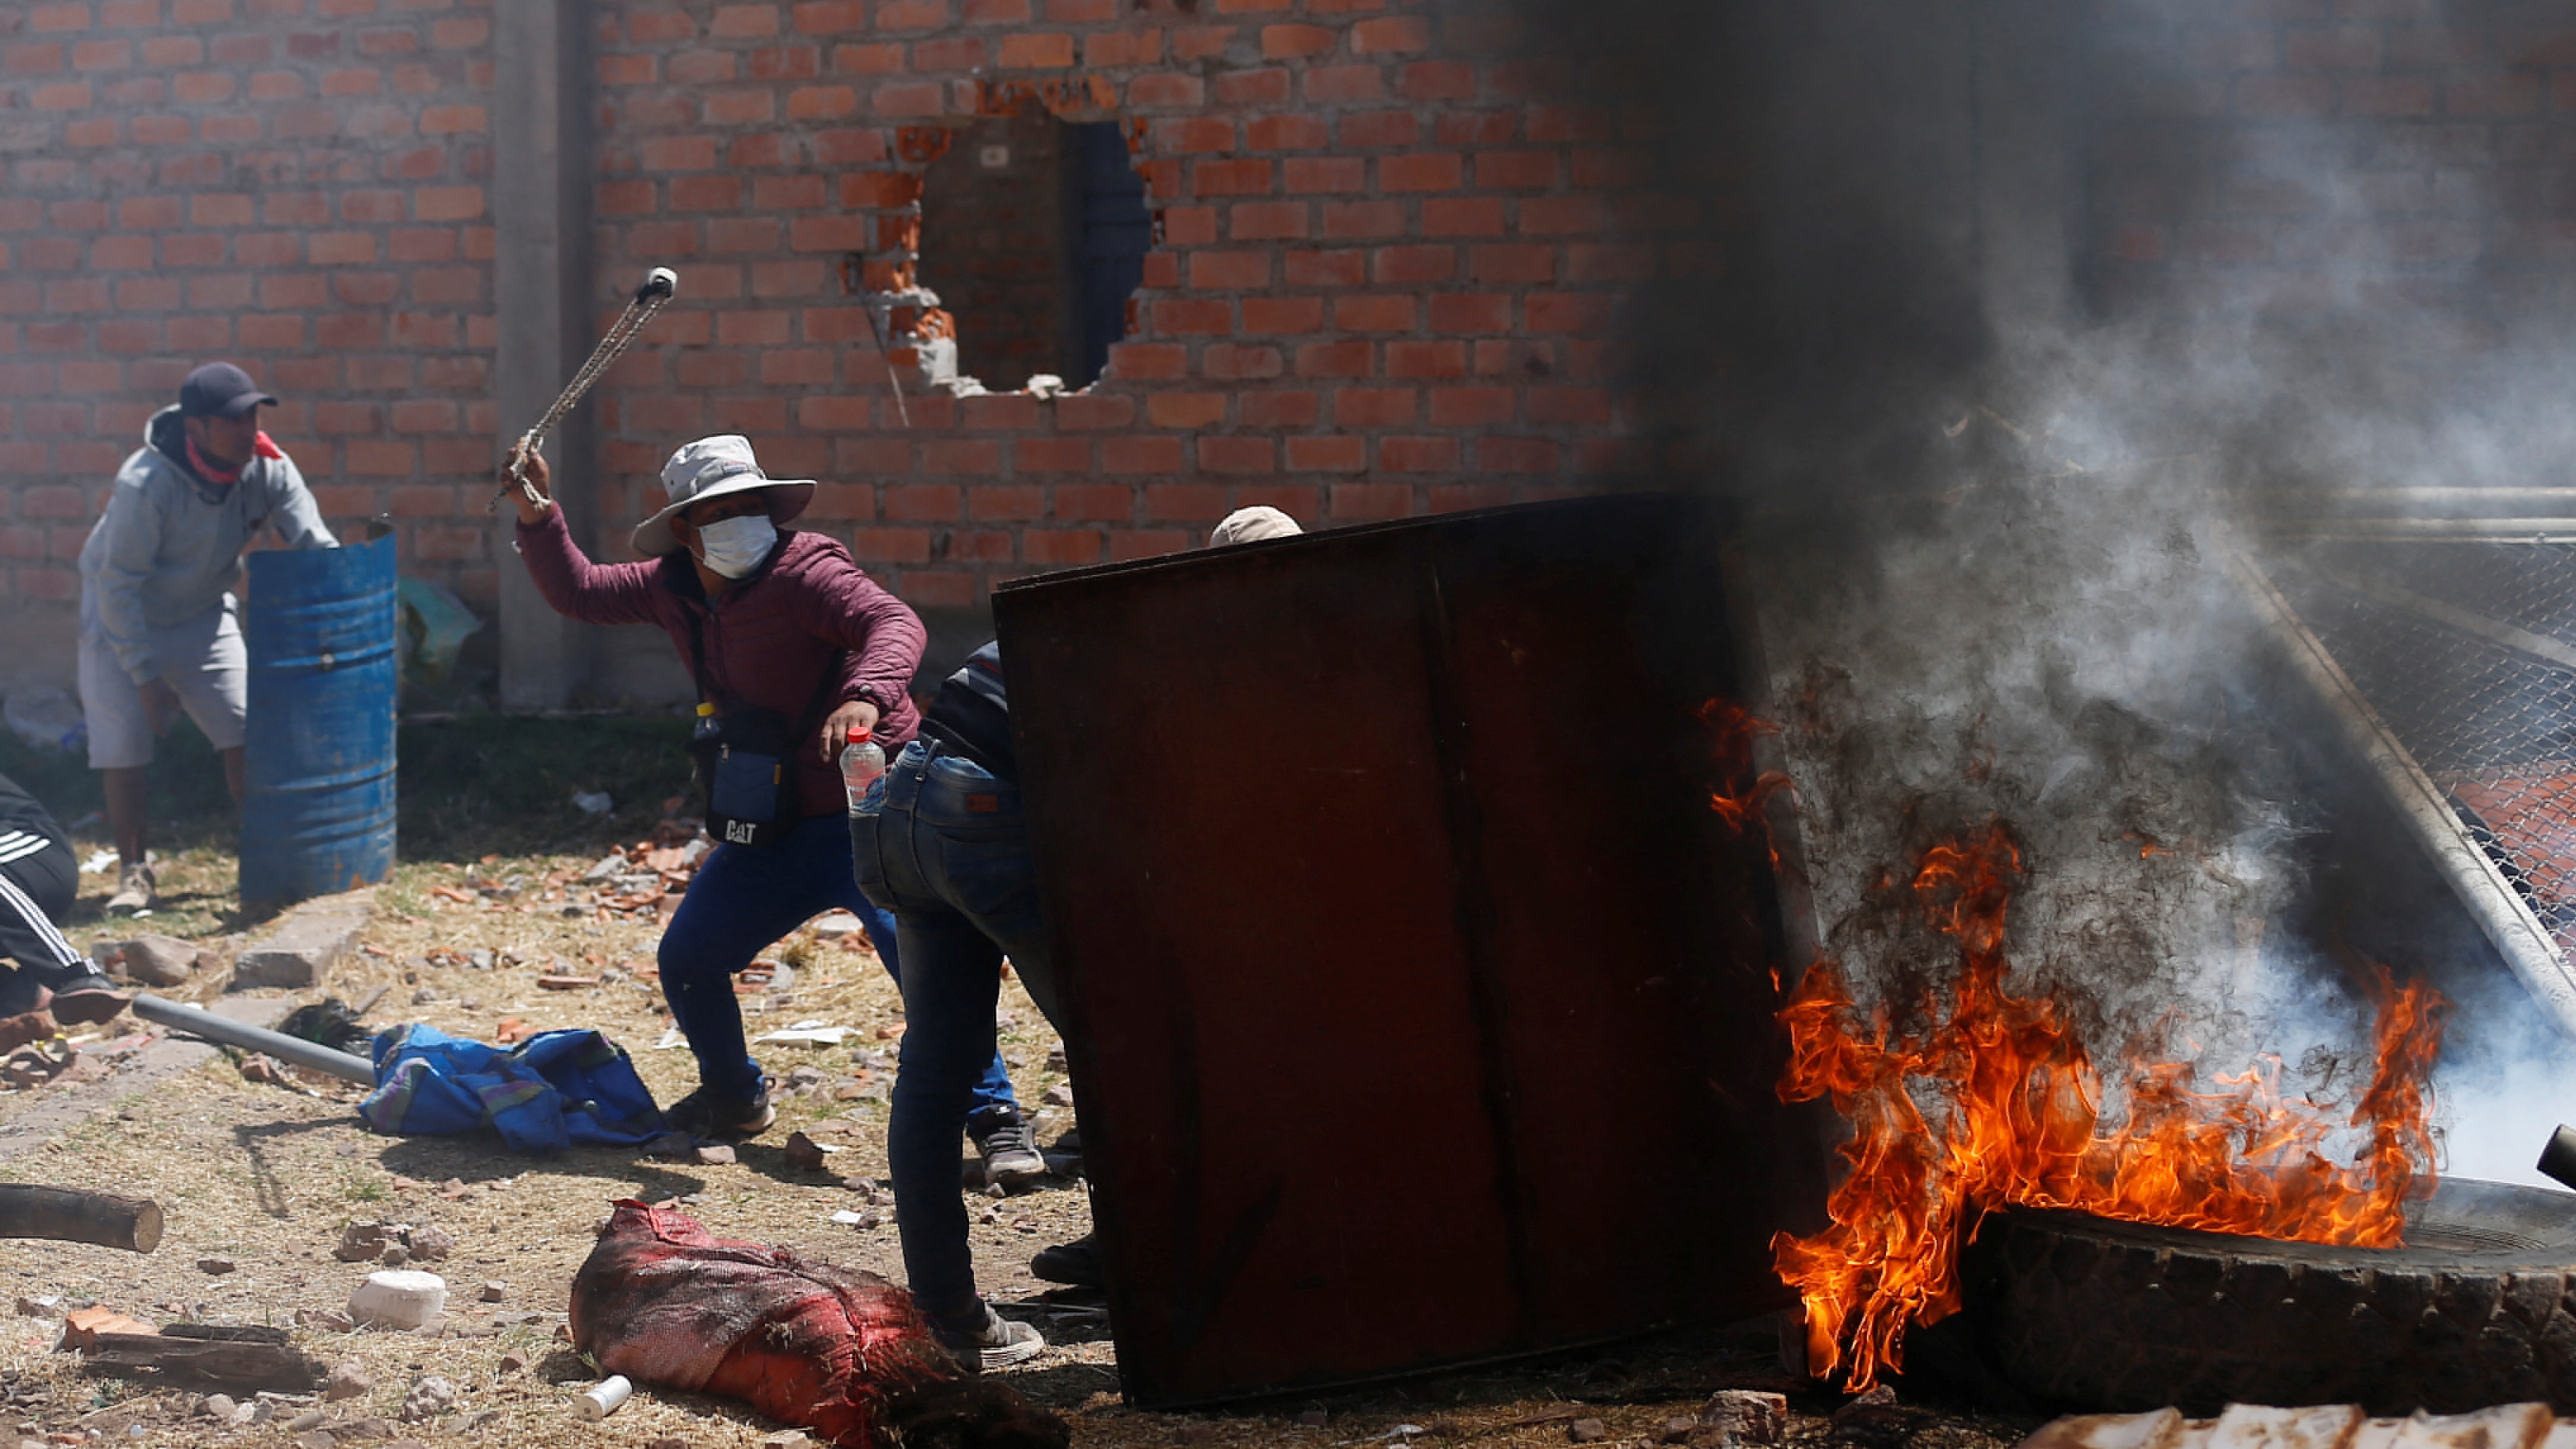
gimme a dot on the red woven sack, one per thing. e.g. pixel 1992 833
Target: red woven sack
pixel 835 1350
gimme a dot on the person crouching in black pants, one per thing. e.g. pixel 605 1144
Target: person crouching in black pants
pixel 38 879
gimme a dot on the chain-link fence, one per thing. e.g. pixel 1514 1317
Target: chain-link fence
pixel 2467 652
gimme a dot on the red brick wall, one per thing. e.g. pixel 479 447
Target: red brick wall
pixel 2302 155
pixel 1389 254
pixel 296 185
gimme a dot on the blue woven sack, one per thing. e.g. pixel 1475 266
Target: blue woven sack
pixel 552 1090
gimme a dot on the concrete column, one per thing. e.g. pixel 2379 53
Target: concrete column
pixel 542 170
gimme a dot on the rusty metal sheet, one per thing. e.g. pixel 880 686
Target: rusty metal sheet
pixel 1420 1008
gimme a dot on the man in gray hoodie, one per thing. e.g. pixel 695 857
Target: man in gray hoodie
pixel 159 631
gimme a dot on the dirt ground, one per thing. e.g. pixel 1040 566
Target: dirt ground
pixel 264 1176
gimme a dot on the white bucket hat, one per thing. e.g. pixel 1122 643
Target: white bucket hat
pixel 1251 525
pixel 712 468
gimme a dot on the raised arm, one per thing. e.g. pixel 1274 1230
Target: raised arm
pixel 576 587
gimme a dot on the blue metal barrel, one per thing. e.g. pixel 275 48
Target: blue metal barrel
pixel 318 816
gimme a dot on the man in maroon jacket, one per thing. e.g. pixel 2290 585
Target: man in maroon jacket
pixel 776 625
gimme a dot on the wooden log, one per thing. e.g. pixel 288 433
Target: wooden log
pixel 248 1357
pixel 73 1216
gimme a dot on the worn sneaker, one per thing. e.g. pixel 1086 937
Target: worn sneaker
pixel 1076 1263
pixel 1001 1343
pixel 1009 1147
pixel 87 998
pixel 134 888
pixel 702 1114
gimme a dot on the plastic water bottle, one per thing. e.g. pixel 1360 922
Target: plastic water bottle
pixel 861 762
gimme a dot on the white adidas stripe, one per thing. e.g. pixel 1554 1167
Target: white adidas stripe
pixel 23 849
pixel 11 897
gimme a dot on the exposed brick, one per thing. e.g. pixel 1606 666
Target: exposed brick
pixel 1326 85
pixel 1140 455
pixel 1268 86
pixel 1289 42
pixel 1335 359
pixel 1237 454
pixel 1095 502
pixel 1186 409
pixel 1365 407
pixel 1061 546
pixel 1051 455
pixel 1353 220
pixel 1042 51
pixel 1518 455
pixel 1166 90
pixel 1376 313
pixel 1372 502
pixel 1391 35
pixel 1232 362
pixel 1380 130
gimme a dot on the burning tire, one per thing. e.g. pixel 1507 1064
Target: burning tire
pixel 2479 1308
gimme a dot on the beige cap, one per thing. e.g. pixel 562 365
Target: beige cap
pixel 1248 525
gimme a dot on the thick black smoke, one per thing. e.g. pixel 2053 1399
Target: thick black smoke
pixel 1996 441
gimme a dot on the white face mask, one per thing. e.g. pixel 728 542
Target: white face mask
pixel 735 546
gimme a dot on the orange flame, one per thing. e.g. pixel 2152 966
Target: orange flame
pixel 1732 731
pixel 2020 1123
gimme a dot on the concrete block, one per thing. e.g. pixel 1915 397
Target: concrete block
pixel 307 943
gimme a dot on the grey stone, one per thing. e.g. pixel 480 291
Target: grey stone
pixel 349 1379
pixel 312 939
pixel 715 1154
pixel 216 1267
pixel 609 866
pixel 216 1406
pixel 309 1419
pixel 1587 1431
pixel 159 960
pixel 430 1245
pixel 429 1398
pixel 480 958
pixel 362 1242
pixel 1746 1416
pixel 424 996
pixel 494 1292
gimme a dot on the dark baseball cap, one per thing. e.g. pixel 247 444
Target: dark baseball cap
pixel 220 390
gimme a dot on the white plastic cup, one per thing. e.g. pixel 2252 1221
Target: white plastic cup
pixel 601 1399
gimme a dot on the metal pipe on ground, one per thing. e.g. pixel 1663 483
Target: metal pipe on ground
pixel 254 1038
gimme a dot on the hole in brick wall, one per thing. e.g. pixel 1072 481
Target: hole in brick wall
pixel 1034 233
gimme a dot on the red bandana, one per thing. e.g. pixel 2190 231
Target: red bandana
pixel 205 466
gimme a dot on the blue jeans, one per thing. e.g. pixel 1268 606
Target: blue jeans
pixel 743 899
pixel 941 843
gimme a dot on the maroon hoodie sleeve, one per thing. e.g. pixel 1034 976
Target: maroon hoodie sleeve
pixel 883 635
pixel 593 593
